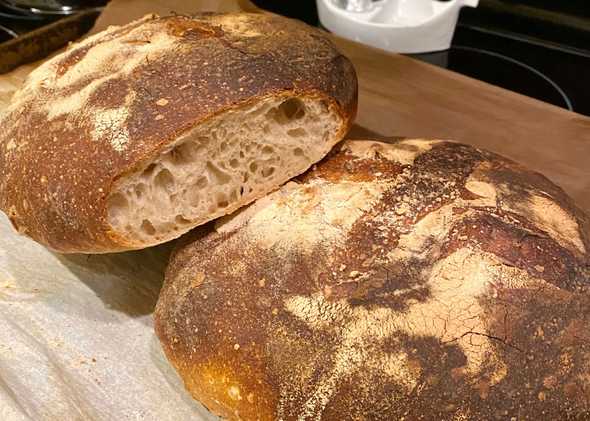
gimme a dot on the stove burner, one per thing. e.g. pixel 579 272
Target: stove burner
pixel 6 34
pixel 9 15
pixel 17 23
pixel 50 7
pixel 507 72
pixel 545 71
pixel 15 16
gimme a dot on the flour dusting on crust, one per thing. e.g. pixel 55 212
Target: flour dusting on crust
pixel 394 281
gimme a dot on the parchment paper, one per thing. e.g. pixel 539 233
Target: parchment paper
pixel 77 339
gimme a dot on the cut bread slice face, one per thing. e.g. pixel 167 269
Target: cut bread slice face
pixel 143 131
pixel 223 164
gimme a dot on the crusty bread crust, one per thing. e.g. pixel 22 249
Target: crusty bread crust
pixel 109 104
pixel 412 280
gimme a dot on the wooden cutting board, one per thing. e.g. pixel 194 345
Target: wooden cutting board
pixel 400 96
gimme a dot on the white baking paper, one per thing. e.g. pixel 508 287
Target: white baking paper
pixel 77 339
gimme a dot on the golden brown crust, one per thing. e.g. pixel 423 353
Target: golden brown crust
pixel 417 280
pixel 99 110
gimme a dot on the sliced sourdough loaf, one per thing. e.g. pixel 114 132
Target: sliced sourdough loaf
pixel 140 133
pixel 417 280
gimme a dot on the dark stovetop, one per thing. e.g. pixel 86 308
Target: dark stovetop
pixel 539 48
pixel 531 67
pixel 13 24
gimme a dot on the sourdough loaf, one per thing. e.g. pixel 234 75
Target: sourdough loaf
pixel 419 279
pixel 139 133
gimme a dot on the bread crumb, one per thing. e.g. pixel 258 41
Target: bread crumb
pixel 237 346
pixel 234 393
pixel 162 102
pixel 159 117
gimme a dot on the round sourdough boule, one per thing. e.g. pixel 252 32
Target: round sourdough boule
pixel 412 280
pixel 139 133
